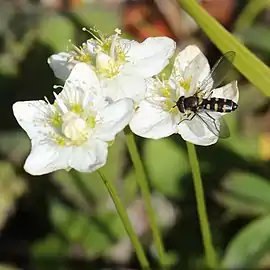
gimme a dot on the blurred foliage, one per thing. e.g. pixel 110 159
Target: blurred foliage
pixel 67 217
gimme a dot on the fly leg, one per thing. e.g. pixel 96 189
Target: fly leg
pixel 187 116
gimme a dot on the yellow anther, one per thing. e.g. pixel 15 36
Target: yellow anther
pixel 118 31
pixel 186 83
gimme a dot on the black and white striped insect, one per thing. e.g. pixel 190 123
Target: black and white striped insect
pixel 202 102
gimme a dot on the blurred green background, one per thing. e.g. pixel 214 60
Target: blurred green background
pixel 65 220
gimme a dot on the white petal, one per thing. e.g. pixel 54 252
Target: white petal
pixel 89 157
pixel 61 64
pixel 229 91
pixel 151 121
pixel 149 57
pixel 114 118
pixel 124 86
pixel 191 62
pixel 196 131
pixel 84 76
pixel 46 157
pixel 30 115
pixel 184 57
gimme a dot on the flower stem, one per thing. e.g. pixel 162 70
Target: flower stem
pixel 210 254
pixel 126 222
pixel 146 195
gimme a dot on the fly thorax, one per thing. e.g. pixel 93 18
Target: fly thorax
pixel 191 103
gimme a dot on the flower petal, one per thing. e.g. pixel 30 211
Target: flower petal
pixel 30 116
pixel 84 76
pixel 114 118
pixel 197 132
pixel 89 157
pixel 46 157
pixel 191 63
pixel 124 86
pixel 151 121
pixel 61 64
pixel 149 57
pixel 229 91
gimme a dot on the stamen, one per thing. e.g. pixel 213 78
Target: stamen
pixel 118 31
pixel 113 46
pixel 92 33
pixel 46 99
pixel 55 86
pixel 60 103
pixel 76 48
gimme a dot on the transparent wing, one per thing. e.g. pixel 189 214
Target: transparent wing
pixel 218 128
pixel 217 74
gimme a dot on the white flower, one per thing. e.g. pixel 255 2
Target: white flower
pixel 74 131
pixel 159 117
pixel 121 64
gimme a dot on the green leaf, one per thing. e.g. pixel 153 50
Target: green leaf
pixel 249 246
pixel 166 163
pixel 12 187
pixel 248 148
pixel 51 246
pixel 249 14
pixel 103 20
pixel 257 36
pixel 246 62
pixel 94 233
pixel 49 252
pixel 15 145
pixel 245 193
pixel 56 31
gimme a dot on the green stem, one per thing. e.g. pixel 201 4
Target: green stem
pixel 126 222
pixel 146 195
pixel 201 207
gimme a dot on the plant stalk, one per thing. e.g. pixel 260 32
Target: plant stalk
pixel 145 191
pixel 126 222
pixel 210 254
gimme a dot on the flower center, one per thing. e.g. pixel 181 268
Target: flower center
pixel 74 127
pixel 82 54
pixel 167 94
pixel 110 56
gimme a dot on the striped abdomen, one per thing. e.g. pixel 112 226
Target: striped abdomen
pixel 219 105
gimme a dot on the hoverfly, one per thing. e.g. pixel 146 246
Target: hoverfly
pixel 201 103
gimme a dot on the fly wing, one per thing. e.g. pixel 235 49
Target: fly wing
pixel 217 127
pixel 217 74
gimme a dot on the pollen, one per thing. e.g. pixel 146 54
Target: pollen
pixel 60 141
pixel 121 56
pixel 91 121
pixel 56 120
pixel 86 58
pixel 82 55
pixel 186 83
pixel 106 46
pixel 76 108
pixel 165 91
pixel 169 105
